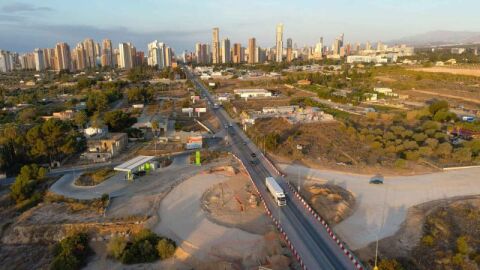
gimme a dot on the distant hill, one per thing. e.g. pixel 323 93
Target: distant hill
pixel 440 38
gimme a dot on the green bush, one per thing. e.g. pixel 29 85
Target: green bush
pixel 144 247
pixel 71 253
pixel 428 240
pixel 116 246
pixel 166 248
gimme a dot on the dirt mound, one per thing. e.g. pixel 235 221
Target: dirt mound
pixel 332 202
pixel 235 203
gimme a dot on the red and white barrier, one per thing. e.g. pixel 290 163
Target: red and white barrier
pixel 334 237
pixel 277 224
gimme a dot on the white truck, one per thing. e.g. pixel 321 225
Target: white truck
pixel 276 191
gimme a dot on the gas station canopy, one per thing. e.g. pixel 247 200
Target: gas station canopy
pixel 140 163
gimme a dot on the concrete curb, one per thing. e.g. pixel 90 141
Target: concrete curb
pixel 330 232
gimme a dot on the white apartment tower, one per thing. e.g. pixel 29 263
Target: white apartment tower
pixel 157 54
pixel 279 43
pixel 125 56
pixel 215 46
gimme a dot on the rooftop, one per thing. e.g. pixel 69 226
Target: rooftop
pixel 133 163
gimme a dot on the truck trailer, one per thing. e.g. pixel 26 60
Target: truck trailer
pixel 276 191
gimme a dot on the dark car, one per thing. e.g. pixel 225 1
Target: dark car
pixel 376 179
pixel 140 173
pixel 253 155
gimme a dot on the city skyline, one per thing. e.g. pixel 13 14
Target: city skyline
pixel 29 24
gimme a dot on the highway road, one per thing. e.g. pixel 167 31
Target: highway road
pixel 317 250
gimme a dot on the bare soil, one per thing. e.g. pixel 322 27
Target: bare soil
pixel 332 202
pixel 235 203
pixel 452 70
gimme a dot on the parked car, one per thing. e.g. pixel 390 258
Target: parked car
pixel 376 179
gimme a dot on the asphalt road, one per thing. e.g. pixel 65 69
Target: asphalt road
pixel 312 242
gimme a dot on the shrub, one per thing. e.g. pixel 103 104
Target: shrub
pixel 71 252
pixel 145 247
pixel 462 245
pixel 166 248
pixel 428 240
pixel 116 246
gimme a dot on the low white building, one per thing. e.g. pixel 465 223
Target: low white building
pixel 252 93
pixel 94 131
pixel 385 91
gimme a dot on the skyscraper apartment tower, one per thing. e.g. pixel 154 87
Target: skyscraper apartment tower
pixel 279 43
pixel 215 46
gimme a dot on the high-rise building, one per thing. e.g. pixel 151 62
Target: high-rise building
pixel 107 53
pixel 63 59
pixel 226 54
pixel 259 55
pixel 156 54
pixel 279 43
pixel 252 51
pixel 79 57
pixel 198 51
pixel 125 56
pixel 215 46
pixel 27 61
pixel 39 60
pixel 237 53
pixel 318 51
pixel 168 57
pixel 289 50
pixel 139 58
pixel 6 61
pixel 202 52
pixel 368 46
pixel 90 54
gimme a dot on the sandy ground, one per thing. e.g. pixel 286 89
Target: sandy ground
pixel 452 70
pixel 235 203
pixel 388 204
pixel 183 220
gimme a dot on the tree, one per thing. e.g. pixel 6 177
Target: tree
pixel 118 120
pixel 444 150
pixel 438 106
pixel 71 253
pixel 52 139
pixel 25 182
pixel 81 119
pixel 27 115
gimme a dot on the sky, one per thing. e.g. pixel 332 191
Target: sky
pixel 29 24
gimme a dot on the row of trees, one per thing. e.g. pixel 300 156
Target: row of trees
pixel 45 142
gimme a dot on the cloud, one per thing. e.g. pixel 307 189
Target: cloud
pixel 24 37
pixel 11 18
pixel 23 7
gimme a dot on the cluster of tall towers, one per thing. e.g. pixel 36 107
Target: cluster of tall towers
pixel 223 52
